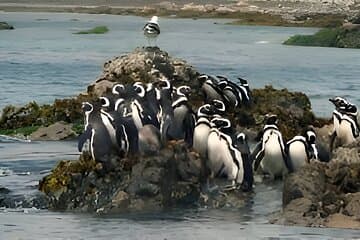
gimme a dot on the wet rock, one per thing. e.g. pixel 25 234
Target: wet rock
pixel 54 132
pixel 308 182
pixel 6 26
pixel 324 194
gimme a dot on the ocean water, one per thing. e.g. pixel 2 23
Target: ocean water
pixel 42 60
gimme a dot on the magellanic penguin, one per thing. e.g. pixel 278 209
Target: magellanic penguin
pixel 346 126
pixel 152 29
pixel 210 88
pixel 184 119
pixel 202 129
pixel 300 150
pixel 224 160
pixel 246 172
pixel 122 129
pixel 101 145
pixel 270 152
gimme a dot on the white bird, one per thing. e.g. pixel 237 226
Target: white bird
pixel 152 29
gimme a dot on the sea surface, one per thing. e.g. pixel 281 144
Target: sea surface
pixel 42 60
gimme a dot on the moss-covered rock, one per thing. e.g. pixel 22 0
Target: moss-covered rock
pixel 340 37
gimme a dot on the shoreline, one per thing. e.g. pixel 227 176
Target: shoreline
pixel 267 13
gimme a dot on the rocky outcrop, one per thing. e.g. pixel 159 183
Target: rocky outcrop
pixel 54 132
pixel 170 178
pixel 6 26
pixel 325 194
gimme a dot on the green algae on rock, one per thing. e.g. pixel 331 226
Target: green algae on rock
pixel 95 30
pixel 340 37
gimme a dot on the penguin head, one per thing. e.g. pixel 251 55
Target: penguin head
pixel 184 90
pixel 87 107
pixel 241 138
pixel 243 82
pixel 139 89
pixel 339 102
pixel 118 89
pixel 206 110
pixel 219 106
pixel 221 123
pixel 202 78
pixel 271 119
pixel 310 136
pixel 106 103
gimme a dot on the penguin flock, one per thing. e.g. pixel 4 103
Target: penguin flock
pixel 141 118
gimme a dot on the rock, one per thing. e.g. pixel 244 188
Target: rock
pixel 308 182
pixel 6 26
pixel 54 132
pixel 353 206
pixel 321 193
pixel 342 221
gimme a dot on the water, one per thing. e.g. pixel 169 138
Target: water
pixel 42 60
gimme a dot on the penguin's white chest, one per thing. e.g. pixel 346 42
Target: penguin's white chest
pixel 345 134
pixel 220 158
pixel 297 155
pixel 273 162
pixel 201 134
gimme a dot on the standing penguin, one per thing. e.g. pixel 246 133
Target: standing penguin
pixel 270 153
pixel 210 88
pixel 101 145
pixel 300 150
pixel 247 174
pixel 184 120
pixel 224 160
pixel 202 129
pixel 346 127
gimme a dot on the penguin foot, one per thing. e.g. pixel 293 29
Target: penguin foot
pixel 230 187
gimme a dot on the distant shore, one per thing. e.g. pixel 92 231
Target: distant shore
pixel 273 13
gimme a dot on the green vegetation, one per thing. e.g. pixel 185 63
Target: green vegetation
pixel 328 37
pixel 95 30
pixel 26 131
pixel 78 128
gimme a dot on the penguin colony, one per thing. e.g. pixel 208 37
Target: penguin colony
pixel 140 119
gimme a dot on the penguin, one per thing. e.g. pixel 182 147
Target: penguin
pixel 122 129
pixel 219 106
pixel 140 108
pixel 236 94
pixel 183 123
pixel 346 126
pixel 202 129
pixel 270 152
pixel 241 144
pixel 300 150
pixel 101 145
pixel 224 160
pixel 210 88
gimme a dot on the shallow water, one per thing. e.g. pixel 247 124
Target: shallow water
pixel 42 60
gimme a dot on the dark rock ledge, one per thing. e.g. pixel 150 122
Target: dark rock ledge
pixel 323 194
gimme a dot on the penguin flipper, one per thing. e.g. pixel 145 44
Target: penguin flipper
pixel 257 155
pixel 83 137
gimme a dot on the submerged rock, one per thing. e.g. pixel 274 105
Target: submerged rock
pixel 325 194
pixel 6 26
